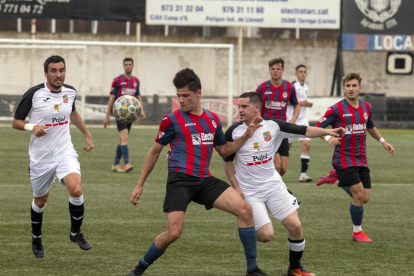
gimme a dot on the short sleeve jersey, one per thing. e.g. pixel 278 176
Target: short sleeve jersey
pixel 255 170
pixel 302 95
pixel 122 86
pixel 275 99
pixel 52 109
pixel 192 139
pixel 352 150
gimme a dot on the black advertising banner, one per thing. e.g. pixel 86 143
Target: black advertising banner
pixel 118 10
pixel 378 25
pixel 378 16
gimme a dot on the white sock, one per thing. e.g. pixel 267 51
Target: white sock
pixel 76 201
pixel 357 228
pixel 37 209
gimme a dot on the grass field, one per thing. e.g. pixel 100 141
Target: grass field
pixel 121 233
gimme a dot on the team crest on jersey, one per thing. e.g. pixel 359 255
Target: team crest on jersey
pixel 284 95
pixel 65 98
pixel 267 136
pixel 214 123
pixel 365 116
pixel 256 146
pixel 56 107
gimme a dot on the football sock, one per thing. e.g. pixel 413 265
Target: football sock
pixel 357 212
pixel 125 153
pixel 305 162
pixel 118 155
pixel 357 228
pixel 296 248
pixel 152 254
pixel 36 216
pixel 248 239
pixel 76 210
pixel 347 191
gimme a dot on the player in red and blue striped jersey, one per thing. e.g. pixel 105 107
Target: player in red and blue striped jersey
pixel 125 84
pixel 277 93
pixel 192 132
pixel 350 158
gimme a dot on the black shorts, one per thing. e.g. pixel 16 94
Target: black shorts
pixel 183 188
pixel 284 148
pixel 353 175
pixel 122 126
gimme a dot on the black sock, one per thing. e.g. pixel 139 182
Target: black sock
pixel 295 256
pixel 37 219
pixel 305 164
pixel 76 217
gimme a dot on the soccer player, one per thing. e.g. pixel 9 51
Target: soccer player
pixel 51 107
pixel 125 84
pixel 257 181
pixel 350 158
pixel 192 133
pixel 301 89
pixel 276 93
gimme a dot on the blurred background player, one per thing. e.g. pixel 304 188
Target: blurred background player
pixel 276 93
pixel 51 107
pixel 257 181
pixel 349 158
pixel 301 89
pixel 125 84
pixel 192 133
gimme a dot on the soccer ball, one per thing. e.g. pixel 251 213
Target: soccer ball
pixel 126 109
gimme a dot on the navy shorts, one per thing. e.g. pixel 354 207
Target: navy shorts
pixel 284 148
pixel 183 188
pixel 122 126
pixel 353 175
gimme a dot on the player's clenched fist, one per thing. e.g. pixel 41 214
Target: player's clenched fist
pixel 40 131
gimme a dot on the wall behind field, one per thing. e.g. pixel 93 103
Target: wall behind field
pixel 104 63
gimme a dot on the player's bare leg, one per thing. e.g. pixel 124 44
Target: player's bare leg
pixel 284 165
pixel 231 202
pixel 296 243
pixel 357 211
pixel 265 233
pixel 36 216
pixel 76 209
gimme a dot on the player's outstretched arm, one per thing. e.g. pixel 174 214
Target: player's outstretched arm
pixel 376 135
pixel 313 132
pixel 76 119
pixel 37 130
pixel 231 175
pixel 149 164
pixel 231 147
pixel 108 110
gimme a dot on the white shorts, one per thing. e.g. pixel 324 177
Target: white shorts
pixel 279 202
pixel 42 174
pixel 302 122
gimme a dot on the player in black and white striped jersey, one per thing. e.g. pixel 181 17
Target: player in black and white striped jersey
pixel 50 107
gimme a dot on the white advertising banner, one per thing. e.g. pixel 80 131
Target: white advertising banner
pixel 304 14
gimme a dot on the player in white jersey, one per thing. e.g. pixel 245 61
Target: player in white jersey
pixel 257 181
pixel 302 94
pixel 50 107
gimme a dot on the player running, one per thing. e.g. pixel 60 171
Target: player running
pixel 51 107
pixel 257 181
pixel 350 158
pixel 192 133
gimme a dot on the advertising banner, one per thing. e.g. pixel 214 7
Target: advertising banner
pixel 315 14
pixel 119 10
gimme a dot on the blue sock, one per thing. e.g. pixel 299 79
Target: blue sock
pixel 118 155
pixel 152 254
pixel 125 153
pixel 347 191
pixel 357 212
pixel 248 239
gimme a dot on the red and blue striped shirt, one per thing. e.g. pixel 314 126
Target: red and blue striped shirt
pixel 352 150
pixel 122 86
pixel 192 139
pixel 275 99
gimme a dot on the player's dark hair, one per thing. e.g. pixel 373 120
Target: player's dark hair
pixel 128 59
pixel 300 66
pixel 53 59
pixel 277 61
pixel 352 76
pixel 187 78
pixel 255 98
